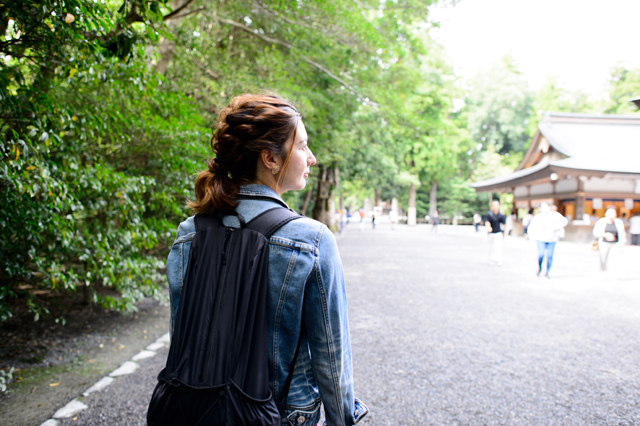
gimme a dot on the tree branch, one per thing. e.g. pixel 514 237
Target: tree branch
pixel 291 47
pixel 311 25
pixel 191 12
pixel 177 11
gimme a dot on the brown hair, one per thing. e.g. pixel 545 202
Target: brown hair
pixel 248 125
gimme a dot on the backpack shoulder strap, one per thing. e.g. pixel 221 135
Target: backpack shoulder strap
pixel 269 221
pixel 209 220
pixel 203 221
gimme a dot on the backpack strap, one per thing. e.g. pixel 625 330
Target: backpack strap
pixel 269 221
pixel 209 220
pixel 204 221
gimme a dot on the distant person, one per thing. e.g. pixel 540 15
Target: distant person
pixel 343 220
pixel 546 229
pixel 634 229
pixel 624 219
pixel 393 218
pixel 510 224
pixel 361 213
pixel 610 234
pixel 435 219
pixel 560 231
pixel 373 220
pixel 526 220
pixel 593 218
pixel 495 222
pixel 477 220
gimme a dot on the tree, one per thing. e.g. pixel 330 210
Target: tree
pixel 499 103
pixel 624 85
pixel 555 98
pixel 87 188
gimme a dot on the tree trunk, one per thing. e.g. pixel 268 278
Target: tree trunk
pixel 307 198
pixel 433 198
pixel 332 198
pixel 411 211
pixel 167 47
pixel 325 192
pixel 320 206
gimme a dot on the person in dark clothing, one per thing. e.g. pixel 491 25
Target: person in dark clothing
pixel 611 235
pixel 436 221
pixel 495 222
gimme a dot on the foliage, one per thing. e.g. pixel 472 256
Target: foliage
pixel 5 377
pixel 624 85
pixel 499 104
pixel 555 98
pixel 106 109
pixel 93 154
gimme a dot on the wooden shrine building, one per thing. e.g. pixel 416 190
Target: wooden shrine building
pixel 581 163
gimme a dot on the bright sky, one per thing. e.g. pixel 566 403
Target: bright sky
pixel 576 40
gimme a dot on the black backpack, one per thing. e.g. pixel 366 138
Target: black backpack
pixel 217 368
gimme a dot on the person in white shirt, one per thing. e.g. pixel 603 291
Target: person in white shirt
pixel 477 219
pixel 546 228
pixel 634 229
pixel 610 233
pixel 526 220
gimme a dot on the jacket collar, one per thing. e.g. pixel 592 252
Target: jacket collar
pixel 254 190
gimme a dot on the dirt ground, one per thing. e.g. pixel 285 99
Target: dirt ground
pixel 56 362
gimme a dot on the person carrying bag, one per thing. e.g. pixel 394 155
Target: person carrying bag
pixel 259 321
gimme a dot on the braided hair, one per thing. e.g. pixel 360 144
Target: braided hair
pixel 247 126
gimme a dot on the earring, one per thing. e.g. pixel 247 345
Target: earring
pixel 275 169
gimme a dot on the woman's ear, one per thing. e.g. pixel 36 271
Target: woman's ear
pixel 268 160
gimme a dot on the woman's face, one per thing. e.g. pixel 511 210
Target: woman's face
pixel 300 161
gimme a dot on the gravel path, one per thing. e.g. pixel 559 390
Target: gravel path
pixel 440 337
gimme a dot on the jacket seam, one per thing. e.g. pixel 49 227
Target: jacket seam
pixel 182 267
pixel 281 302
pixel 327 328
pixel 184 238
pixel 293 245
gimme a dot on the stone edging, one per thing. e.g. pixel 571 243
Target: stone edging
pixel 127 367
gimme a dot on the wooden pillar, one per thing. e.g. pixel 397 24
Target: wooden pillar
pixel 580 200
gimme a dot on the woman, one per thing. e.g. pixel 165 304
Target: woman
pixel 610 233
pixel 546 227
pixel 261 152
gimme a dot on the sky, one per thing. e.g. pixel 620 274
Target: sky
pixel 576 40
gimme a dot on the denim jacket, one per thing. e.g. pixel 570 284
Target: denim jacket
pixel 306 285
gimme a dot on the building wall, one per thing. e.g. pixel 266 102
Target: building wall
pixel 542 189
pixel 566 185
pixel 520 191
pixel 609 185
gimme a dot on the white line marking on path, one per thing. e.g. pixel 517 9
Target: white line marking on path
pixel 70 409
pixel 155 346
pixel 99 385
pixel 127 367
pixel 165 338
pixel 142 355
